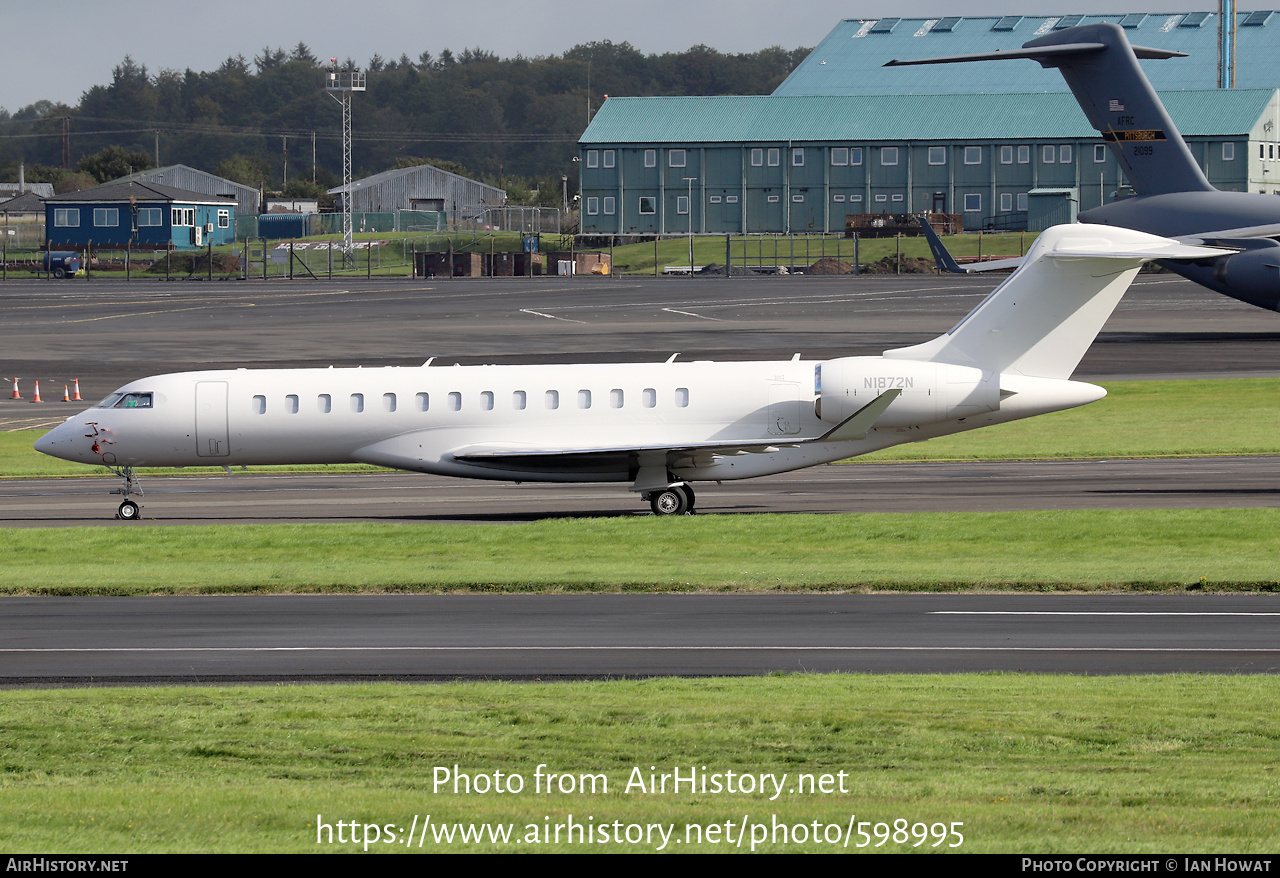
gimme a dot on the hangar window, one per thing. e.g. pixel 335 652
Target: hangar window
pixel 584 399
pixel 775 158
pixel 888 155
pixel 731 199
pixel 840 155
pixel 224 219
pixel 648 206
pixel 1006 155
pixel 937 155
pixel 797 157
pixel 757 158
pixel 797 198
pixel 1064 154
pixel 973 155
pixel 855 197
pixel 973 202
pixel 682 204
pixel 615 398
pixel 837 198
pixel 388 402
pixel 1228 152
pixel 108 217
pixel 150 216
pixel 486 400
pixel 682 397
pixel 357 402
pixel 609 158
pixel 593 158
pixel 1006 201
pixel 1099 152
pixel 676 158
pixel 715 199
pixel 291 403
pixel 898 197
pixel 66 217
pixel 423 402
pixel 650 158
pixel 593 206
pixel 772 199
pixel 1022 201
pixel 324 403
pixel 1048 155
pixel 649 397
pixel 455 401
pixel 552 399
pixel 259 405
pixel 610 205
pixel 855 155
pixel 519 400
pixel 1024 155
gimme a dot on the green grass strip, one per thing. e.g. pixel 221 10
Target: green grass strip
pixel 1186 418
pixel 1219 549
pixel 1028 764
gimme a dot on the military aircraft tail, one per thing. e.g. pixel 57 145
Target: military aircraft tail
pixel 1101 68
pixel 1042 319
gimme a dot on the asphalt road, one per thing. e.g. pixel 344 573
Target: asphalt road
pixel 547 637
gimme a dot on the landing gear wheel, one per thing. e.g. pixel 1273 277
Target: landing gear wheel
pixel 669 501
pixel 688 493
pixel 129 511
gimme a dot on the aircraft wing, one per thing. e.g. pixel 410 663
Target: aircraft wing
pixel 1037 53
pixel 852 428
pixel 1224 237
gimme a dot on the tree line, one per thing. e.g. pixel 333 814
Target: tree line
pixel 511 122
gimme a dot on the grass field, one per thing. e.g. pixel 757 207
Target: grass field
pixel 1170 764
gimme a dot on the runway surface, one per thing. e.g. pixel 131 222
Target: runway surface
pixel 547 637
pixel 891 487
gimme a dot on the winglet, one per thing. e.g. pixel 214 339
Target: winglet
pixel 857 424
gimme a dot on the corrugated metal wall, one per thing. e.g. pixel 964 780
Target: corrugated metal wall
pixel 393 190
pixel 247 198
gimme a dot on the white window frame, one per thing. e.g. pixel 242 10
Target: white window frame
pixel 682 204
pixel 1099 153
pixel 650 158
pixel 224 219
pixel 1065 154
pixel 757 157
pixel 839 199
pixel 888 156
pixel 1023 201
pixel 1024 154
pixel 798 199
pixel 880 198
pixel 855 155
pixel 650 202
pixel 731 199
pixel 593 158
pixel 1048 154
pixel 797 157
pixel 775 156
pixel 839 156
pixel 677 158
pixel 593 205
pixel 973 155
pixel 973 202
pixel 66 217
pixel 1006 202
pixel 937 155
pixel 610 158
pixel 772 199
pixel 106 217
pixel 150 216
pixel 610 205
pixel 1228 152
pixel 1006 155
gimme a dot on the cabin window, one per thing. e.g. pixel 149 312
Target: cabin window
pixel 938 155
pixel 224 219
pixel 1099 153
pixel 584 399
pixel 357 402
pixel 682 204
pixel 855 155
pixel 615 398
pixel 1006 155
pixel 150 216
pixel 455 401
pixel 388 402
pixel 106 217
pixel 593 158
pixel 1228 152
pixel 648 206
pixel 608 158
pixel 259 405
pixel 422 401
pixel 66 217
pixel 973 155
pixel 888 155
pixel 682 397
pixel 797 157
pixel 840 156
pixel 486 400
pixel 1006 201
pixel 1022 201
pixel 1064 154
pixel 609 205
pixel 519 400
pixel 676 158
pixel 649 397
pixel 1048 155
pixel 593 205
pixel 650 158
pixel 291 403
pixel 775 158
pixel 1024 155
pixel 973 202
pixel 324 402
pixel 552 399
pixel 757 158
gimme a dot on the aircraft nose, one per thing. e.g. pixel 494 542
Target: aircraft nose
pixel 59 442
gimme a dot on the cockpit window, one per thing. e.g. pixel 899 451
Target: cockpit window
pixel 133 401
pixel 110 401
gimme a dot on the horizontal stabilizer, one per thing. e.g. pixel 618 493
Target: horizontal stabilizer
pixel 856 425
pixel 1042 54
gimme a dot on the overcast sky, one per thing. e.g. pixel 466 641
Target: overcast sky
pixel 57 49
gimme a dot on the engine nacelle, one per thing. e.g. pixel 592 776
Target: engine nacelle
pixel 1252 275
pixel 931 392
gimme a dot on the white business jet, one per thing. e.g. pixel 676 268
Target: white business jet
pixel 658 426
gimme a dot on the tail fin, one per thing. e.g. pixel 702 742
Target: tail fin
pixel 1101 69
pixel 940 255
pixel 1043 318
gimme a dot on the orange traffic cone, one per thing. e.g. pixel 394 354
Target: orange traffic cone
pixel 66 393
pixel 36 396
pixel 75 397
pixel 16 394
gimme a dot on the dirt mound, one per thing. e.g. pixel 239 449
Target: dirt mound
pixel 831 265
pixel 910 265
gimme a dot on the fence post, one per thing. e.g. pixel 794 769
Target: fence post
pixel 897 259
pixel 211 257
pixel 728 256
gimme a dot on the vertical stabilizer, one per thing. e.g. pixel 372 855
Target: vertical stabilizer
pixel 1043 318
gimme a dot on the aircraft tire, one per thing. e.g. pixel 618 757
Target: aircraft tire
pixel 689 496
pixel 129 511
pixel 669 501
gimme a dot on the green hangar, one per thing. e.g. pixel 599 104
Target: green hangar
pixel 1004 146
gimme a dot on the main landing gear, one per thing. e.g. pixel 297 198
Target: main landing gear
pixel 675 500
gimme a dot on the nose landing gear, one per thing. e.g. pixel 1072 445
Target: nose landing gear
pixel 128 510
